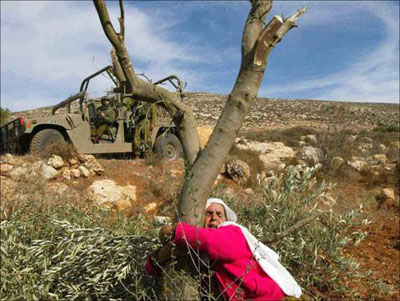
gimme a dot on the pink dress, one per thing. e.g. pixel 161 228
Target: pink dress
pixel 239 276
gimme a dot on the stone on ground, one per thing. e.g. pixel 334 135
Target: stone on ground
pixel 55 161
pixel 238 170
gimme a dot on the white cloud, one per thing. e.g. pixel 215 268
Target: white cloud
pixel 374 77
pixel 54 45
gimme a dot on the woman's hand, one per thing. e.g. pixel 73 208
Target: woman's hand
pixel 163 254
pixel 165 233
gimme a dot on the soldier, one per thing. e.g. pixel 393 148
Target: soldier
pixel 105 117
pixel 145 119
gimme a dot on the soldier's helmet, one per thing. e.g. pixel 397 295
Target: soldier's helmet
pixel 105 99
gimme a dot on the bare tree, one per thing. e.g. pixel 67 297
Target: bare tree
pixel 202 166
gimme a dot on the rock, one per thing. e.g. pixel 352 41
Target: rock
pixel 66 174
pixel 161 220
pixel 365 140
pixel 350 139
pixel 8 159
pixel 310 155
pixel 365 148
pixel 122 204
pixel 357 164
pixel 129 191
pixel 150 208
pixel 238 170
pixel 17 173
pixel 270 182
pixel 55 161
pixel 228 193
pixel 387 197
pixel 58 188
pixel 109 195
pixel 248 191
pixel 381 158
pixel 48 172
pixel 91 164
pixel 302 143
pixel 76 173
pixel 73 162
pixel 35 168
pixel 83 171
pixel 311 139
pixel 274 153
pixel 281 166
pixel 336 163
pixel 6 168
pixel 381 148
pixel 105 191
pixel 271 154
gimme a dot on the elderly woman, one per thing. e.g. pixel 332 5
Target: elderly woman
pixel 244 267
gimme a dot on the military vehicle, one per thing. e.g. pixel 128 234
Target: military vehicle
pixel 75 127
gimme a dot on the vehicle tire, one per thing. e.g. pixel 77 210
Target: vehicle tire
pixel 168 146
pixel 44 139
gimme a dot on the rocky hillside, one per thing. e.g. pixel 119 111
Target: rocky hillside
pixel 268 112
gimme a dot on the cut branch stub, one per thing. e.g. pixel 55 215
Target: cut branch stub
pixel 266 41
pixel 272 34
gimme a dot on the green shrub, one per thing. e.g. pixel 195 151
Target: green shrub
pixel 386 128
pixel 74 260
pixel 4 115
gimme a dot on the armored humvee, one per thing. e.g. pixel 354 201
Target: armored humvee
pixel 74 125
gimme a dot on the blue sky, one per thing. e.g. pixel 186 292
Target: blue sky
pixel 345 50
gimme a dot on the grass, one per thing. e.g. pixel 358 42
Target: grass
pixel 65 150
pixel 289 136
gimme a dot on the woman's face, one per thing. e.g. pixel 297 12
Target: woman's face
pixel 215 215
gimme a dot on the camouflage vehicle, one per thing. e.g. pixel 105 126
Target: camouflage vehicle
pixel 75 127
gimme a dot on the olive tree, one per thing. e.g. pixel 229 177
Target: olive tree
pixel 202 166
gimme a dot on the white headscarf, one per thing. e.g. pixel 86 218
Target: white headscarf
pixel 267 258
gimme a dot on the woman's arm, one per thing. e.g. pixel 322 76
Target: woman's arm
pixel 224 243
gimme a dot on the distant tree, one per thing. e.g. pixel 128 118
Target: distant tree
pixel 4 115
